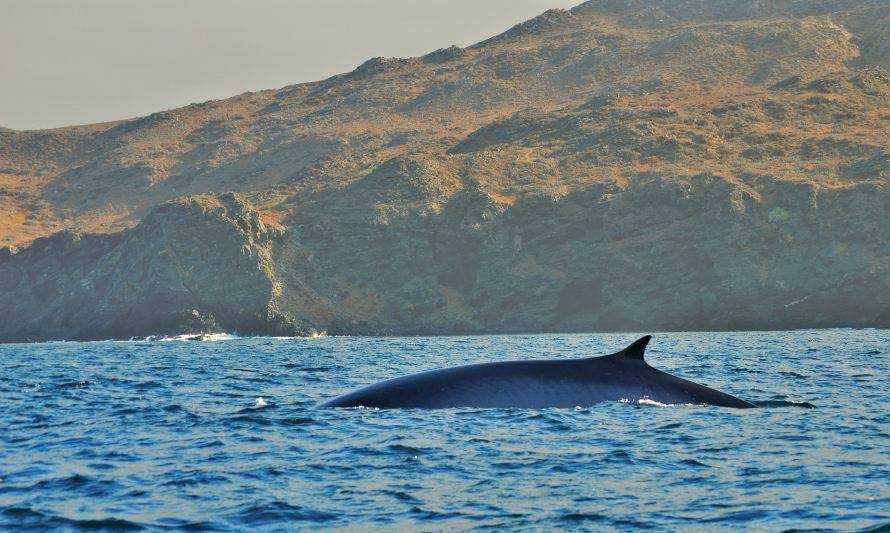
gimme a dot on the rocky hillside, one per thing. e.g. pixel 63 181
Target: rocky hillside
pixel 625 165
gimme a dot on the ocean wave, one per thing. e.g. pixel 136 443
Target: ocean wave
pixel 203 337
pixel 278 512
pixel 28 518
pixel 785 403
pixel 653 403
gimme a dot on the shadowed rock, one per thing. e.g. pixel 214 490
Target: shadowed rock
pixel 680 164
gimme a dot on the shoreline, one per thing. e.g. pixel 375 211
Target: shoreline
pixel 232 336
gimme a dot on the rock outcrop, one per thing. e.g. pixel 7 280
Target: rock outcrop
pixel 192 265
pixel 625 165
pixel 706 252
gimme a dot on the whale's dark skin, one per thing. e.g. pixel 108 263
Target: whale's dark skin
pixel 622 376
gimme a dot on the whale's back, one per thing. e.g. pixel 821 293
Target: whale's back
pixel 538 384
pixel 530 384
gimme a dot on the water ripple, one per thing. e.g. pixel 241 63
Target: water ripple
pixel 224 435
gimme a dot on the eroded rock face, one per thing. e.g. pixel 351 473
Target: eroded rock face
pixel 707 252
pixel 703 253
pixel 628 164
pixel 192 265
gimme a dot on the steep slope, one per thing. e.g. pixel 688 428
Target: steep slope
pixel 152 278
pixel 623 165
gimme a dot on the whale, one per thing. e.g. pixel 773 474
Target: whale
pixel 623 376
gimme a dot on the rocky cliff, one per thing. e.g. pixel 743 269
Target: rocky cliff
pixel 148 279
pixel 621 166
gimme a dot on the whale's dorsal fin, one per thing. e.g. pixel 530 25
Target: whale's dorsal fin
pixel 635 350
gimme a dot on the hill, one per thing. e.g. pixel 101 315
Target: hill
pixel 679 164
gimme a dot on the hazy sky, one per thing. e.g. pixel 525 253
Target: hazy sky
pixel 75 62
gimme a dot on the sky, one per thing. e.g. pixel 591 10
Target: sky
pixel 78 62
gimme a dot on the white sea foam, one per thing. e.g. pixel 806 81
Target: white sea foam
pixel 313 334
pixel 204 337
pixel 647 401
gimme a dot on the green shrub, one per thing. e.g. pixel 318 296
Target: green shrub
pixel 778 215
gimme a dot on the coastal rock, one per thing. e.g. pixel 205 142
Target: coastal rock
pixel 192 265
pixel 625 165
pixel 705 252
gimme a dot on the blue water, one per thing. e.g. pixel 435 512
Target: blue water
pixel 172 435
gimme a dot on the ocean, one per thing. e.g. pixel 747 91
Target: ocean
pixel 224 434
